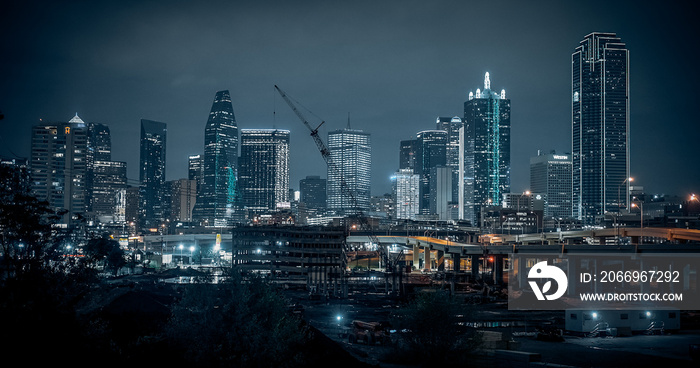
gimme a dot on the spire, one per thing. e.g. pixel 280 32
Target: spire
pixel 76 120
pixel 348 120
pixel 487 82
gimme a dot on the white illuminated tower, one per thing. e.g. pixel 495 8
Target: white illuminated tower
pixel 406 188
pixel 351 151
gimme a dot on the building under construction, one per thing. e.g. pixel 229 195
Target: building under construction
pixel 311 257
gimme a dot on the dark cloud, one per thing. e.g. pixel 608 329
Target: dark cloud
pixel 393 66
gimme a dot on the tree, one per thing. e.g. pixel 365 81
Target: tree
pixel 106 251
pixel 241 323
pixel 29 241
pixel 430 332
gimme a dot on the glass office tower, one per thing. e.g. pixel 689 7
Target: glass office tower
pixel 600 126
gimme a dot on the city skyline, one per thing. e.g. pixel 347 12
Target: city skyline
pixel 377 63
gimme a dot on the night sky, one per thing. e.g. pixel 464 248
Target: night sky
pixel 392 66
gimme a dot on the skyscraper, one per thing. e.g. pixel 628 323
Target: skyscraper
pixel 216 199
pixel 59 166
pixel 600 126
pixel 195 169
pixel 351 151
pixel 108 178
pixel 431 152
pixel 152 174
pixel 105 178
pixel 451 126
pixel 264 170
pixel 406 190
pixel 183 195
pixel 485 140
pixel 550 174
pixel 407 154
pixel 313 192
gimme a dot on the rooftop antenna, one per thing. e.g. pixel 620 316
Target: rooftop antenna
pixel 348 120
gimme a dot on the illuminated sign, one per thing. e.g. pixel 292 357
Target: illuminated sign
pixel 67 130
pixel 560 157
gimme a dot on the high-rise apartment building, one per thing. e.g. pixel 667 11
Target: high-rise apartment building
pixel 264 170
pixel 216 199
pixel 485 145
pixel 152 173
pixel 550 174
pixel 406 190
pixel 59 166
pixel 600 126
pixel 351 152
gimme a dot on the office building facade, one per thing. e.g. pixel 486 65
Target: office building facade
pixel 431 152
pixel 406 190
pixel 451 126
pixel 551 175
pixel 600 126
pixel 313 192
pixel 264 170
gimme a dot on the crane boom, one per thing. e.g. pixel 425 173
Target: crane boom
pixel 325 153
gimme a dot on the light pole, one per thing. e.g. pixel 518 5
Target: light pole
pixel 191 250
pixel 619 207
pixel 180 247
pixel 641 220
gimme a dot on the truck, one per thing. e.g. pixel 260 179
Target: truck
pixel 369 333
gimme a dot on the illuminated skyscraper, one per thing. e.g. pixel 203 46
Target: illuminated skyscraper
pixel 431 152
pixel 195 170
pixel 406 188
pixel 452 126
pixel 485 142
pixel 600 126
pixel 351 151
pixel 264 170
pixel 550 174
pixel 59 166
pixel 152 174
pixel 407 154
pixel 216 199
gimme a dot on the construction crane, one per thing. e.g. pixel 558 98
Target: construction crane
pixel 325 152
pixel 390 264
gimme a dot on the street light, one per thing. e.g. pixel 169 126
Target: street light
pixel 641 219
pixel 181 246
pixel 619 207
